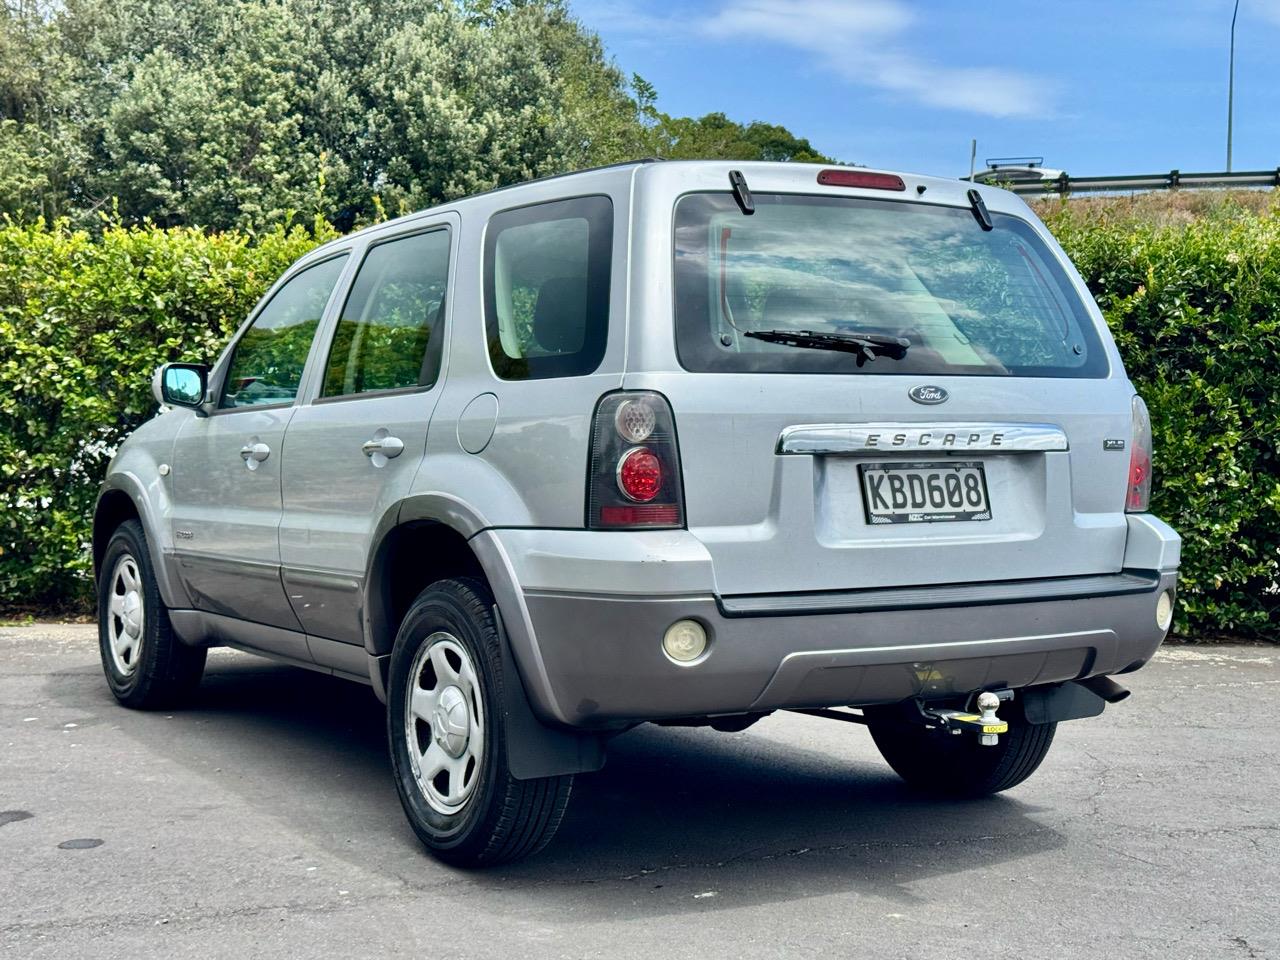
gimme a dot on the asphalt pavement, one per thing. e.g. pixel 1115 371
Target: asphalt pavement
pixel 262 822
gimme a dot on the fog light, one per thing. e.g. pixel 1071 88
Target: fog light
pixel 685 641
pixel 1164 610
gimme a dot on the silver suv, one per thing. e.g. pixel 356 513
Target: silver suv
pixel 669 442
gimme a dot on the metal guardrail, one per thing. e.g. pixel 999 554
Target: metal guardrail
pixel 1173 180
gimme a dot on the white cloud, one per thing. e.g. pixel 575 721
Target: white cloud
pixel 810 24
pixel 864 42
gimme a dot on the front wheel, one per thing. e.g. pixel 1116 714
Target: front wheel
pixel 448 741
pixel 959 766
pixel 146 665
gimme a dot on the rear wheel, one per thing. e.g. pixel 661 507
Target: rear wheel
pixel 146 665
pixel 448 742
pixel 959 766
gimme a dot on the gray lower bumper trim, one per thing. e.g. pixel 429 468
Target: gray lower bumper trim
pixel 605 663
pixel 933 597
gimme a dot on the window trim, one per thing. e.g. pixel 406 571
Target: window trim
pixel 1108 367
pixel 331 334
pixel 488 247
pixel 223 366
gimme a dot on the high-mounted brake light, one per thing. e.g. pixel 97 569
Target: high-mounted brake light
pixel 1138 498
pixel 861 178
pixel 633 478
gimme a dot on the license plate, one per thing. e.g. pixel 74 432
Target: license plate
pixel 925 492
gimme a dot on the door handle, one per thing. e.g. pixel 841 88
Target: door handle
pixel 253 453
pixel 389 447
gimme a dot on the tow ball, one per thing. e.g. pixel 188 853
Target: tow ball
pixel 985 723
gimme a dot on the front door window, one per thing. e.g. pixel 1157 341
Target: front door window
pixel 266 366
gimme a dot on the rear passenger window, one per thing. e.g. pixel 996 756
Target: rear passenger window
pixel 391 327
pixel 546 277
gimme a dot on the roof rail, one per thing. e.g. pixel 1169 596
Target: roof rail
pixel 558 176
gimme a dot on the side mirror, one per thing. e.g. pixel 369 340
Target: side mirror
pixel 181 384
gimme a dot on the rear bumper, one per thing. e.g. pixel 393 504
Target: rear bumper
pixel 604 661
pixel 595 658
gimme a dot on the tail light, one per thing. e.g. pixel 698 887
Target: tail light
pixel 1138 498
pixel 634 473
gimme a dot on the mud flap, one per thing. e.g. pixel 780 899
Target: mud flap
pixel 1053 704
pixel 535 749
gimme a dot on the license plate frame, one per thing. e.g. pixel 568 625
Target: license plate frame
pixel 928 512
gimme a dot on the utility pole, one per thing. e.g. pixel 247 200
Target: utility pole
pixel 1231 82
pixel 973 155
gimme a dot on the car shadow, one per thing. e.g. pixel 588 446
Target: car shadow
pixel 679 819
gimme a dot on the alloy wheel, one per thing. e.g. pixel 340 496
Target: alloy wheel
pixel 444 723
pixel 126 615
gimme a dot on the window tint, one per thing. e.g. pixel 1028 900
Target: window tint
pixel 390 331
pixel 547 288
pixel 969 301
pixel 268 360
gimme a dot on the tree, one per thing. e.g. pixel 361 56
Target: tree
pixel 242 113
pixel 715 136
pixel 34 88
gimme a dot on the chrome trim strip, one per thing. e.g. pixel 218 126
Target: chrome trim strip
pixel 880 438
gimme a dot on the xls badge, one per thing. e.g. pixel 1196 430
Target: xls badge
pixel 928 394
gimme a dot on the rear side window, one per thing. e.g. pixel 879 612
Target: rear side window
pixel 969 301
pixel 546 275
pixel 266 367
pixel 391 327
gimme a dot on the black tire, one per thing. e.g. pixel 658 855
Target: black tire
pixel 502 819
pixel 959 766
pixel 158 671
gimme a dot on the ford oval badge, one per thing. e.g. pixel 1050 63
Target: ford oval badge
pixel 928 394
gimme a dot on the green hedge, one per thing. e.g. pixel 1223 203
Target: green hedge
pixel 84 321
pixel 1195 307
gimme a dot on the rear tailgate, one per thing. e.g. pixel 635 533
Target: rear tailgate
pixel 990 314
pixel 777 522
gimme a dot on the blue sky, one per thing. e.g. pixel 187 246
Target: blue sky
pixel 1096 87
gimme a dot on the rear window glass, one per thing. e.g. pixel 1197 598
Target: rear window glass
pixel 968 301
pixel 547 288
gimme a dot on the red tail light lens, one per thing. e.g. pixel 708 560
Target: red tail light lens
pixel 1138 499
pixel 647 515
pixel 634 473
pixel 640 475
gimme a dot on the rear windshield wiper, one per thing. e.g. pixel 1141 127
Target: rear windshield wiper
pixel 864 346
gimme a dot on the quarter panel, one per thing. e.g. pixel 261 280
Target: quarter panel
pixel 533 470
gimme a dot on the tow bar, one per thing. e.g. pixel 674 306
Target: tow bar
pixel 985 723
